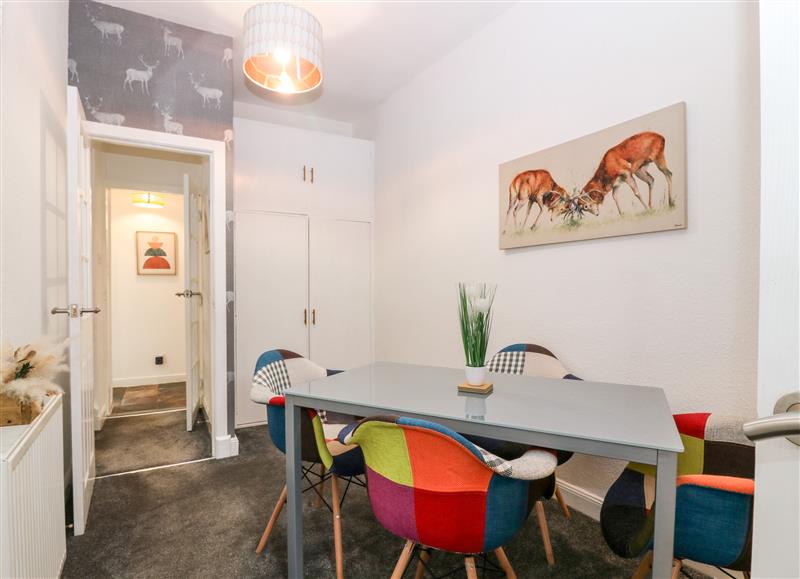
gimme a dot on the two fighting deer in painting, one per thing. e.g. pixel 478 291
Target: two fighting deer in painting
pixel 620 164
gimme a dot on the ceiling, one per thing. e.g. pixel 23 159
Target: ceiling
pixel 370 48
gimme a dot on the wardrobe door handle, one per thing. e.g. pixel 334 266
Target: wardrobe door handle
pixel 305 316
pixel 312 174
pixel 304 173
pixel 314 317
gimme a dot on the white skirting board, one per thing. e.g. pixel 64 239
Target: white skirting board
pixel 581 500
pixel 226 446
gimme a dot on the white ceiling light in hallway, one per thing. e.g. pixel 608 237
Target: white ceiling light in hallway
pixel 282 48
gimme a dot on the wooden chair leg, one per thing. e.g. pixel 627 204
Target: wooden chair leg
pixel 402 562
pixel 424 556
pixel 271 523
pixel 337 527
pixel 321 488
pixel 563 503
pixel 676 569
pixel 643 570
pixel 505 564
pixel 548 547
pixel 469 563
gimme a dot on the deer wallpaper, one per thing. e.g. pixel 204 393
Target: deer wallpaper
pixel 139 71
pixel 629 178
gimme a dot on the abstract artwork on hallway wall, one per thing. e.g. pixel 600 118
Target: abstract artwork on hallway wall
pixel 155 253
pixel 626 179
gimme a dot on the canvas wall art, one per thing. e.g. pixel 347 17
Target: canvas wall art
pixel 155 253
pixel 629 178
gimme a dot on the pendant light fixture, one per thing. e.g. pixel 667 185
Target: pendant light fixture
pixel 282 48
pixel 148 200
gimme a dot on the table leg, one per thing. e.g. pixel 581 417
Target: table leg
pixel 666 471
pixel 294 481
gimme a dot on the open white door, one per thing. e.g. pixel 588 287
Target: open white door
pixel 776 520
pixel 79 294
pixel 193 297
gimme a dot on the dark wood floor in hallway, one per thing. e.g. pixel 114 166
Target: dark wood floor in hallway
pixel 149 397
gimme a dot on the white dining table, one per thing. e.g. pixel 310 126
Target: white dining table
pixel 611 420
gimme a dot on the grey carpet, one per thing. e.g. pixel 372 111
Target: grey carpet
pixel 133 442
pixel 203 520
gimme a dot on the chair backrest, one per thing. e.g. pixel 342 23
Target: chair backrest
pixel 717 457
pixel 430 485
pixel 713 444
pixel 530 360
pixel 275 372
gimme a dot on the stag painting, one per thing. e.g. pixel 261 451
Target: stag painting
pixel 576 205
pixel 537 187
pixel 625 161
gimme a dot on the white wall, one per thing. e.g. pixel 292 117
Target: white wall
pixel 33 181
pixel 674 309
pixel 33 169
pixel 147 318
pixel 287 118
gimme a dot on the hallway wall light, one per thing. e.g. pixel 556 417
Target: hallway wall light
pixel 148 200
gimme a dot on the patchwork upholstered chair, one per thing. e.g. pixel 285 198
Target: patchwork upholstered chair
pixel 434 488
pixel 276 371
pixel 714 502
pixel 529 360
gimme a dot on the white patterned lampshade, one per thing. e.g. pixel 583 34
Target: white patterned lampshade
pixel 282 48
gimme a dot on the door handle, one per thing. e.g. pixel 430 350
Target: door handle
pixel 305 316
pixel 188 294
pixel 74 311
pixel 785 422
pixel 312 174
pixel 314 317
pixel 304 173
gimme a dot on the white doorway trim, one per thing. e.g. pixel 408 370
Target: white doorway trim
pixel 224 445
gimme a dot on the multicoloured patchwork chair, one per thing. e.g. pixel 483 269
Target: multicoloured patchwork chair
pixel 434 488
pixel 714 502
pixel 529 360
pixel 276 371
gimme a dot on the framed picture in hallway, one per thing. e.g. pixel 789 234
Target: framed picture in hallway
pixel 626 179
pixel 156 252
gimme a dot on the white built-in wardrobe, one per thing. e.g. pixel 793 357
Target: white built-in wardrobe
pixel 303 250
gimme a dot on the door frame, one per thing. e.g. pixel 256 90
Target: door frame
pixel 224 444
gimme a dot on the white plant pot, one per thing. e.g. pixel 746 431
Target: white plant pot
pixel 476 375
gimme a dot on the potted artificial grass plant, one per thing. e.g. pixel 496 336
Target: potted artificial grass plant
pixel 475 314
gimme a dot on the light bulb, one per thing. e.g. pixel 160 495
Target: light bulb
pixel 281 55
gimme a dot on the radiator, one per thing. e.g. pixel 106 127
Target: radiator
pixel 32 526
